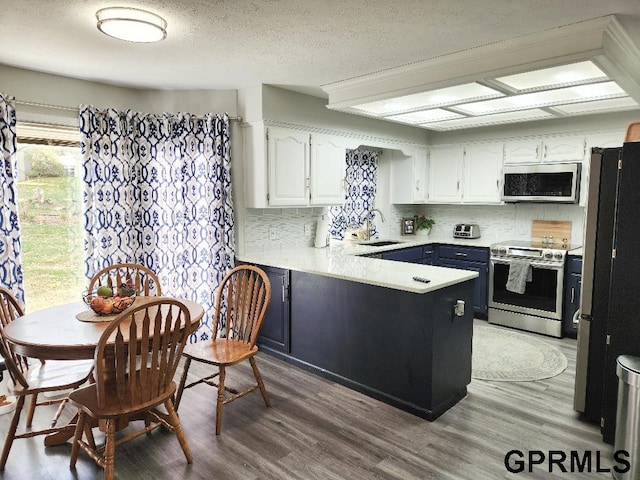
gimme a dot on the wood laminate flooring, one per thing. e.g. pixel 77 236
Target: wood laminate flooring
pixel 317 429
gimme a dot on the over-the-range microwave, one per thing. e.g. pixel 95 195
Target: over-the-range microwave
pixel 540 182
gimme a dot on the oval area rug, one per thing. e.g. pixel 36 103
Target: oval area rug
pixel 507 356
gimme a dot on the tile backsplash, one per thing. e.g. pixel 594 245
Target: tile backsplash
pixel 497 222
pixel 278 229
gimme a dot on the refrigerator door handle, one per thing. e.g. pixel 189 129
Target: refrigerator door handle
pixel 576 319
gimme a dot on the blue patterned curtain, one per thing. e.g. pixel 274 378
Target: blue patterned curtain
pixel 362 171
pixel 10 257
pixel 158 192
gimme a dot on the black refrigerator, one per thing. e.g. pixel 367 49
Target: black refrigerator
pixel 609 318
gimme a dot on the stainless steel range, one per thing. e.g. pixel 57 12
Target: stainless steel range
pixel 537 306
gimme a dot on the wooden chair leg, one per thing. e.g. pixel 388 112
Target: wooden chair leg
pixel 32 408
pixel 256 373
pixel 220 403
pixel 58 413
pixel 11 433
pixel 183 380
pixel 88 432
pixel 75 446
pixel 110 449
pixel 177 427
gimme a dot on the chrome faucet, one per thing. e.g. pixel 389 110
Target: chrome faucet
pixel 367 223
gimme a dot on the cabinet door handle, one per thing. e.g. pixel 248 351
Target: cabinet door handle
pixel 460 254
pixel 573 294
pixel 417 185
pixel 546 148
pixel 537 150
pixel 283 291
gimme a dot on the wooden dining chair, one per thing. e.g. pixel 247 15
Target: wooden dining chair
pixel 133 378
pixel 241 304
pixel 30 377
pixel 144 280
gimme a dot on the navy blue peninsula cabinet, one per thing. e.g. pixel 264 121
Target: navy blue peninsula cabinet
pixel 274 333
pixel 407 349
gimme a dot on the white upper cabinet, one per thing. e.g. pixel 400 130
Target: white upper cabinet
pixel 522 151
pixel 564 149
pixel 570 148
pixel 409 176
pixel 601 139
pixel 328 170
pixel 287 167
pixel 445 174
pixel 482 173
pixel 288 160
pixel 604 140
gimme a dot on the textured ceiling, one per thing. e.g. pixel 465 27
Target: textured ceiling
pixel 297 44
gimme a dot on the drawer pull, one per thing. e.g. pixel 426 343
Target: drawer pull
pixel 460 254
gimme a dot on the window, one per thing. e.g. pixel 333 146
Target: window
pixel 51 221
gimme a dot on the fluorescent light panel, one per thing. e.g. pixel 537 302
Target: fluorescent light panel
pixel 554 77
pixel 425 116
pixel 487 120
pixel 547 98
pixel 428 100
pixel 614 104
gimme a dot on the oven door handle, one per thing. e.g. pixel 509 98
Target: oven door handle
pixel 545 266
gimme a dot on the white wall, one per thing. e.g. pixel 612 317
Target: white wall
pixel 55 90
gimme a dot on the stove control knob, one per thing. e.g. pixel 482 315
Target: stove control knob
pixel 494 249
pixel 558 255
pixel 548 255
pixel 503 250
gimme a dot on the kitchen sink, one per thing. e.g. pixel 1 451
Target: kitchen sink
pixel 380 243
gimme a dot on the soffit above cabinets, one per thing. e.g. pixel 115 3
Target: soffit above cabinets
pixel 583 68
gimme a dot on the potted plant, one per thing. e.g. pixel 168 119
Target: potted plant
pixel 424 224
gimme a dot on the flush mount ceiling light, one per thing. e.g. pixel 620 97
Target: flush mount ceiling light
pixel 131 24
pixel 594 67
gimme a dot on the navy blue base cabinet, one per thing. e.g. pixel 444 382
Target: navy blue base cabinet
pixel 470 258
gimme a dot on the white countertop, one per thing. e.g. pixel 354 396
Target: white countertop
pixel 342 260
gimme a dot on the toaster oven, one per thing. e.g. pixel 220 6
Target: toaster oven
pixel 466 230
